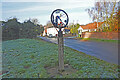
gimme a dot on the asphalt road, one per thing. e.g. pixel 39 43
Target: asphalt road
pixel 103 50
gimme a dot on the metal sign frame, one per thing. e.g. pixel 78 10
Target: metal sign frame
pixel 55 21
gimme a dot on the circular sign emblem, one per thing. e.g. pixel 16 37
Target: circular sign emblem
pixel 59 18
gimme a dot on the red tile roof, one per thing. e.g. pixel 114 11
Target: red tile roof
pixel 67 28
pixel 92 25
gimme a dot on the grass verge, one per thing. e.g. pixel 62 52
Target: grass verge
pixel 97 40
pixel 26 58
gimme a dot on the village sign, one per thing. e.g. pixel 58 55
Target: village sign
pixel 59 19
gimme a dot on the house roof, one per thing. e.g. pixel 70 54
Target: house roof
pixel 67 28
pixel 91 25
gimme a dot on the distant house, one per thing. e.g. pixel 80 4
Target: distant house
pixel 67 30
pixel 52 31
pixel 89 27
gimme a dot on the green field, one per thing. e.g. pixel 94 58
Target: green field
pixel 26 58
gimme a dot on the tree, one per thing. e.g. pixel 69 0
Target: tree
pixel 74 29
pixel 35 21
pixel 29 29
pixel 12 29
pixel 104 11
pixel 49 24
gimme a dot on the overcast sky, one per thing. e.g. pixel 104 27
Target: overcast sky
pixel 42 9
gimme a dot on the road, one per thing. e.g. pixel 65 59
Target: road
pixel 103 50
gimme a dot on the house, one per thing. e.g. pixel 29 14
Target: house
pixel 67 30
pixel 52 32
pixel 89 27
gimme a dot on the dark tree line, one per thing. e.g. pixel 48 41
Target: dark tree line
pixel 12 29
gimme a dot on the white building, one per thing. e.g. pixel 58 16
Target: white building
pixel 81 29
pixel 52 32
pixel 91 27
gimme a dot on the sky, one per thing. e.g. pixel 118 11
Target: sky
pixel 42 9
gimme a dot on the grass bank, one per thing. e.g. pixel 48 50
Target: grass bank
pixel 27 58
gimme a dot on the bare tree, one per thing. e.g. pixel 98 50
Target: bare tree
pixel 49 24
pixel 35 21
pixel 104 11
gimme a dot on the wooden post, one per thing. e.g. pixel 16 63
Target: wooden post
pixel 60 51
pixel 57 22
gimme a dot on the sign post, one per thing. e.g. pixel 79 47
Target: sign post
pixel 60 50
pixel 59 19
